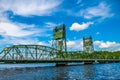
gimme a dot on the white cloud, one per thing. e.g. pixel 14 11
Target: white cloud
pixel 97 33
pixel 71 43
pixel 74 45
pixel 9 41
pixel 3 17
pixel 102 10
pixel 78 1
pixel 14 33
pixel 50 25
pixel 17 41
pixel 44 43
pixel 79 27
pixel 24 41
pixel 30 7
pixel 77 45
pixel 110 46
pixel 15 29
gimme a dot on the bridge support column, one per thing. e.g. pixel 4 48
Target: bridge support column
pixel 102 62
pixel 61 64
pixel 90 62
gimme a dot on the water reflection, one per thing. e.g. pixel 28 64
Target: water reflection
pixel 81 72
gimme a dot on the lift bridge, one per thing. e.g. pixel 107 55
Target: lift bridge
pixel 40 54
pixel 37 52
pixel 43 54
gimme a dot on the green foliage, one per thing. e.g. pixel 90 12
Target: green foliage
pixel 94 55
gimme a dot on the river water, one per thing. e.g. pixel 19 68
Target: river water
pixel 109 71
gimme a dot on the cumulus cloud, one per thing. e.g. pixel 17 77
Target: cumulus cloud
pixel 30 7
pixel 77 45
pixel 110 46
pixel 78 27
pixel 74 45
pixel 102 10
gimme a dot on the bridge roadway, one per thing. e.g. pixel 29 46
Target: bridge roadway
pixel 41 54
pixel 87 61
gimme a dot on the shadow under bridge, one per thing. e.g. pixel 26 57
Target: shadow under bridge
pixel 28 52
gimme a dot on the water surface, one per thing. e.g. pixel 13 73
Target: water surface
pixel 109 71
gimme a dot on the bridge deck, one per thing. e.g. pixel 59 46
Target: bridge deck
pixel 61 61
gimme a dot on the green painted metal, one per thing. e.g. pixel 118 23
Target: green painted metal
pixel 88 45
pixel 28 52
pixel 59 32
pixel 59 40
pixel 55 54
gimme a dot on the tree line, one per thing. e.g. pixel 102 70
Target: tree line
pixel 93 55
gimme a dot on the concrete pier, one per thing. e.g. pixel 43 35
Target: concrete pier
pixel 61 64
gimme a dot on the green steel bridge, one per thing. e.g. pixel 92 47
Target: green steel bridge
pixel 41 54
pixel 55 54
pixel 28 52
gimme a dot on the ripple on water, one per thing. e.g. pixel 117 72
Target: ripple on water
pixel 80 72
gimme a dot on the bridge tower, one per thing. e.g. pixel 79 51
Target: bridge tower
pixel 88 44
pixel 59 40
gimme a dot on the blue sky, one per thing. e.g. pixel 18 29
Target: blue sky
pixel 32 22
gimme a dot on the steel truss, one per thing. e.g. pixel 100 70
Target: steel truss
pixel 28 52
